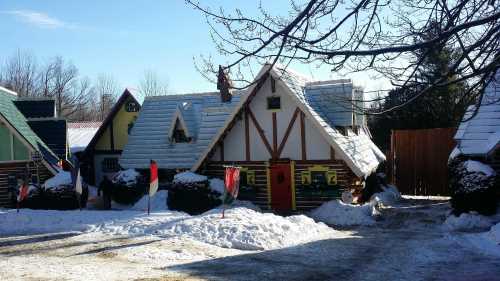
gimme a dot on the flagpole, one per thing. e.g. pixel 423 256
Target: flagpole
pixel 149 200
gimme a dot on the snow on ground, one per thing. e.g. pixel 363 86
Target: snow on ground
pixel 242 228
pixel 487 242
pixel 389 196
pixel 189 177
pixel 338 213
pixel 409 244
pixel 61 178
pixel 467 222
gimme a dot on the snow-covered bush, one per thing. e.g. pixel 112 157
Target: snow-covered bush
pixel 376 186
pixel 191 193
pixel 125 187
pixel 57 193
pixel 472 186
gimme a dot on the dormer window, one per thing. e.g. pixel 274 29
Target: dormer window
pixel 179 135
pixel 132 106
pixel 274 103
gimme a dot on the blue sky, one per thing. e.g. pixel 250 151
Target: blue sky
pixel 124 38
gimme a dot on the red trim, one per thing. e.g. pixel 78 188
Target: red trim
pixel 287 133
pixel 303 136
pixel 260 131
pixel 275 136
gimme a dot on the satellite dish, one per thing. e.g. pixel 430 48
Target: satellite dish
pixel 347 197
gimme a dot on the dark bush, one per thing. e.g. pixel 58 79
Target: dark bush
pixel 127 195
pixel 192 198
pixel 471 190
pixel 61 198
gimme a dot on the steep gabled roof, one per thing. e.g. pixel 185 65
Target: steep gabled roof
pixel 481 134
pixel 323 102
pixel 18 122
pixel 203 115
pixel 129 92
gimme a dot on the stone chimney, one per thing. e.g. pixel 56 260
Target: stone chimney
pixel 224 85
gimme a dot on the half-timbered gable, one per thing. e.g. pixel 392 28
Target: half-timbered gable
pixel 299 143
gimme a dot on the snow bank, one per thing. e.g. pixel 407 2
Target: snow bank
pixel 217 185
pixel 478 167
pixel 467 222
pixel 246 229
pixel 61 178
pixel 188 177
pixel 126 177
pixel 389 196
pixel 242 228
pixel 338 213
pixel 494 234
pixel 158 203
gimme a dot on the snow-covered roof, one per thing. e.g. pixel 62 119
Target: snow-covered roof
pixel 80 134
pixel 481 134
pixel 204 115
pixel 328 104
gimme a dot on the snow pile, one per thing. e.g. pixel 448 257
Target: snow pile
pixel 61 178
pixel 478 167
pixel 494 234
pixel 188 177
pixel 217 185
pixel 126 177
pixel 158 203
pixel 389 196
pixel 467 222
pixel 338 213
pixel 246 229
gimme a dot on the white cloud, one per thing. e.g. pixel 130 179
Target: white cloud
pixel 39 19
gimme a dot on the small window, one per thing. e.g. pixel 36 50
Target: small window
pixel 273 103
pixel 318 179
pixel 179 134
pixel 110 165
pixel 132 106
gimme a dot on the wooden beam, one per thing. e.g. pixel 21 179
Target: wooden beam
pixel 332 153
pixel 261 132
pixel 275 136
pixel 303 136
pixel 247 136
pixel 288 131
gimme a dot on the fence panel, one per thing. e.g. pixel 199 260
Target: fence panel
pixel 419 160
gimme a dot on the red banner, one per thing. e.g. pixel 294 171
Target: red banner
pixel 232 181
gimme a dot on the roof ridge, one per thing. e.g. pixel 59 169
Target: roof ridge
pixel 8 91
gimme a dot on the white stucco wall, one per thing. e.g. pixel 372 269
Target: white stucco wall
pixel 234 143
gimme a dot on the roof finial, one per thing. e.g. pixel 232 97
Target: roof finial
pixel 224 85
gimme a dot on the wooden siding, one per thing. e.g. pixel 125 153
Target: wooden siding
pixel 419 160
pixel 18 169
pixel 304 200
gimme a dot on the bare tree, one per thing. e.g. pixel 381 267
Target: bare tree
pixel 359 35
pixel 106 90
pixel 19 73
pixel 150 85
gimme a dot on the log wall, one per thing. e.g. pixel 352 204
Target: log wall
pixel 18 169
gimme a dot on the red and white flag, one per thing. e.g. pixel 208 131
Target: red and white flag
pixel 232 184
pixel 23 193
pixel 153 182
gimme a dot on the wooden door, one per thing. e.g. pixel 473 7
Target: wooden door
pixel 281 187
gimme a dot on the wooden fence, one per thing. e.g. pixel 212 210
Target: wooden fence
pixel 418 160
